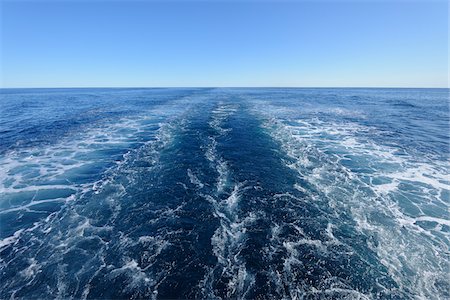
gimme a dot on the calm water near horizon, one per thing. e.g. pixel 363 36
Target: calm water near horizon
pixel 217 193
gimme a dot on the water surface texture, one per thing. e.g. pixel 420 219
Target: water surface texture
pixel 224 193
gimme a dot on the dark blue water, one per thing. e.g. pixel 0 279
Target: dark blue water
pixel 224 193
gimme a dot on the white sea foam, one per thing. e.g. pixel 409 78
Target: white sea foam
pixel 228 238
pixel 194 179
pixel 32 269
pixel 219 116
pixel 11 239
pixel 369 179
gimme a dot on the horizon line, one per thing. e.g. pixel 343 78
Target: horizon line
pixel 218 87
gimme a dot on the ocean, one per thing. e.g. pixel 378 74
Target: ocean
pixel 210 193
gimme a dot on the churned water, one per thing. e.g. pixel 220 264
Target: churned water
pixel 224 193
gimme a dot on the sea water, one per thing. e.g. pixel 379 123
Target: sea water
pixel 224 193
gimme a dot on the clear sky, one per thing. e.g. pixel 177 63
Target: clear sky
pixel 224 43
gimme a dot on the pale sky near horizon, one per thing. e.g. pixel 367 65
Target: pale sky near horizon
pixel 224 43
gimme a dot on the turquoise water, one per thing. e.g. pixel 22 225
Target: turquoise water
pixel 224 193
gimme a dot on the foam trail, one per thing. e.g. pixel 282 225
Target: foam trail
pixel 389 193
pixel 228 238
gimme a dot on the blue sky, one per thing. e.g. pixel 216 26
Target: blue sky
pixel 224 43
